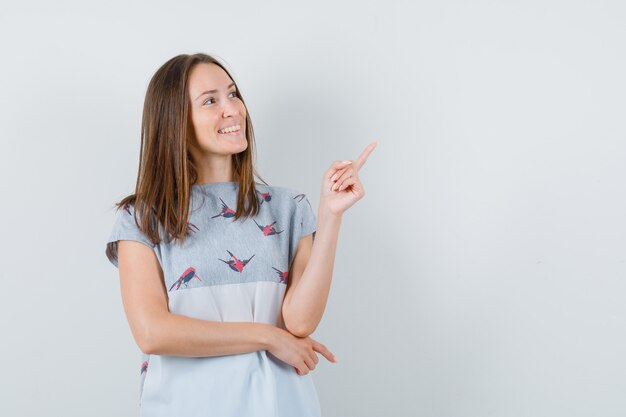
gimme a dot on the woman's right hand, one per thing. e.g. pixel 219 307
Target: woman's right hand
pixel 298 352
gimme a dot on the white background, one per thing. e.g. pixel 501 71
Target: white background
pixel 483 274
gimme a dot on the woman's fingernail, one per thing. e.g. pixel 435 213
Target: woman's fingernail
pixel 345 162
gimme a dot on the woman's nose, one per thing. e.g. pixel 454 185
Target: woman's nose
pixel 230 108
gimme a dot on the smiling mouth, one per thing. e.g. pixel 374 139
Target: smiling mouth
pixel 233 130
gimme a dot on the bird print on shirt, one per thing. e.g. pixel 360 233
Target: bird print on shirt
pixel 236 264
pixel 265 196
pixel 282 275
pixel 185 278
pixel 268 229
pixel 226 211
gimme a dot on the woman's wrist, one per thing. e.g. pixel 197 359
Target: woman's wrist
pixel 268 336
pixel 324 211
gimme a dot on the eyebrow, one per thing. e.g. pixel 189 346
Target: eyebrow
pixel 212 91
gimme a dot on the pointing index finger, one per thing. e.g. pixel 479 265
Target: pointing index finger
pixel 358 162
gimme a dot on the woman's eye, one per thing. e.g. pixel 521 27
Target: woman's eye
pixel 232 92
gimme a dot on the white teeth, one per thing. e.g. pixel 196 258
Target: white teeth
pixel 230 129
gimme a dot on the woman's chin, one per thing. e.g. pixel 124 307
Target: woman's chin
pixel 237 146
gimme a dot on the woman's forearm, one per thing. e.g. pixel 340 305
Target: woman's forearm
pixel 179 335
pixel 307 301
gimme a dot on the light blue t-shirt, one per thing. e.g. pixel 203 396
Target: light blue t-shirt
pixel 228 271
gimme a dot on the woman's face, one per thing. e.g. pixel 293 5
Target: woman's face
pixel 215 105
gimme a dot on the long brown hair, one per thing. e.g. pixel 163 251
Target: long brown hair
pixel 166 168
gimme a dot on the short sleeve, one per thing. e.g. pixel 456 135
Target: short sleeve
pixel 304 221
pixel 125 228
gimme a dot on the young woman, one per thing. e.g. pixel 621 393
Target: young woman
pixel 223 278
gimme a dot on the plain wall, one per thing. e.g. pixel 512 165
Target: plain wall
pixel 484 272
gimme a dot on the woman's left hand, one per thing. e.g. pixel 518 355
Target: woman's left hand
pixel 341 186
